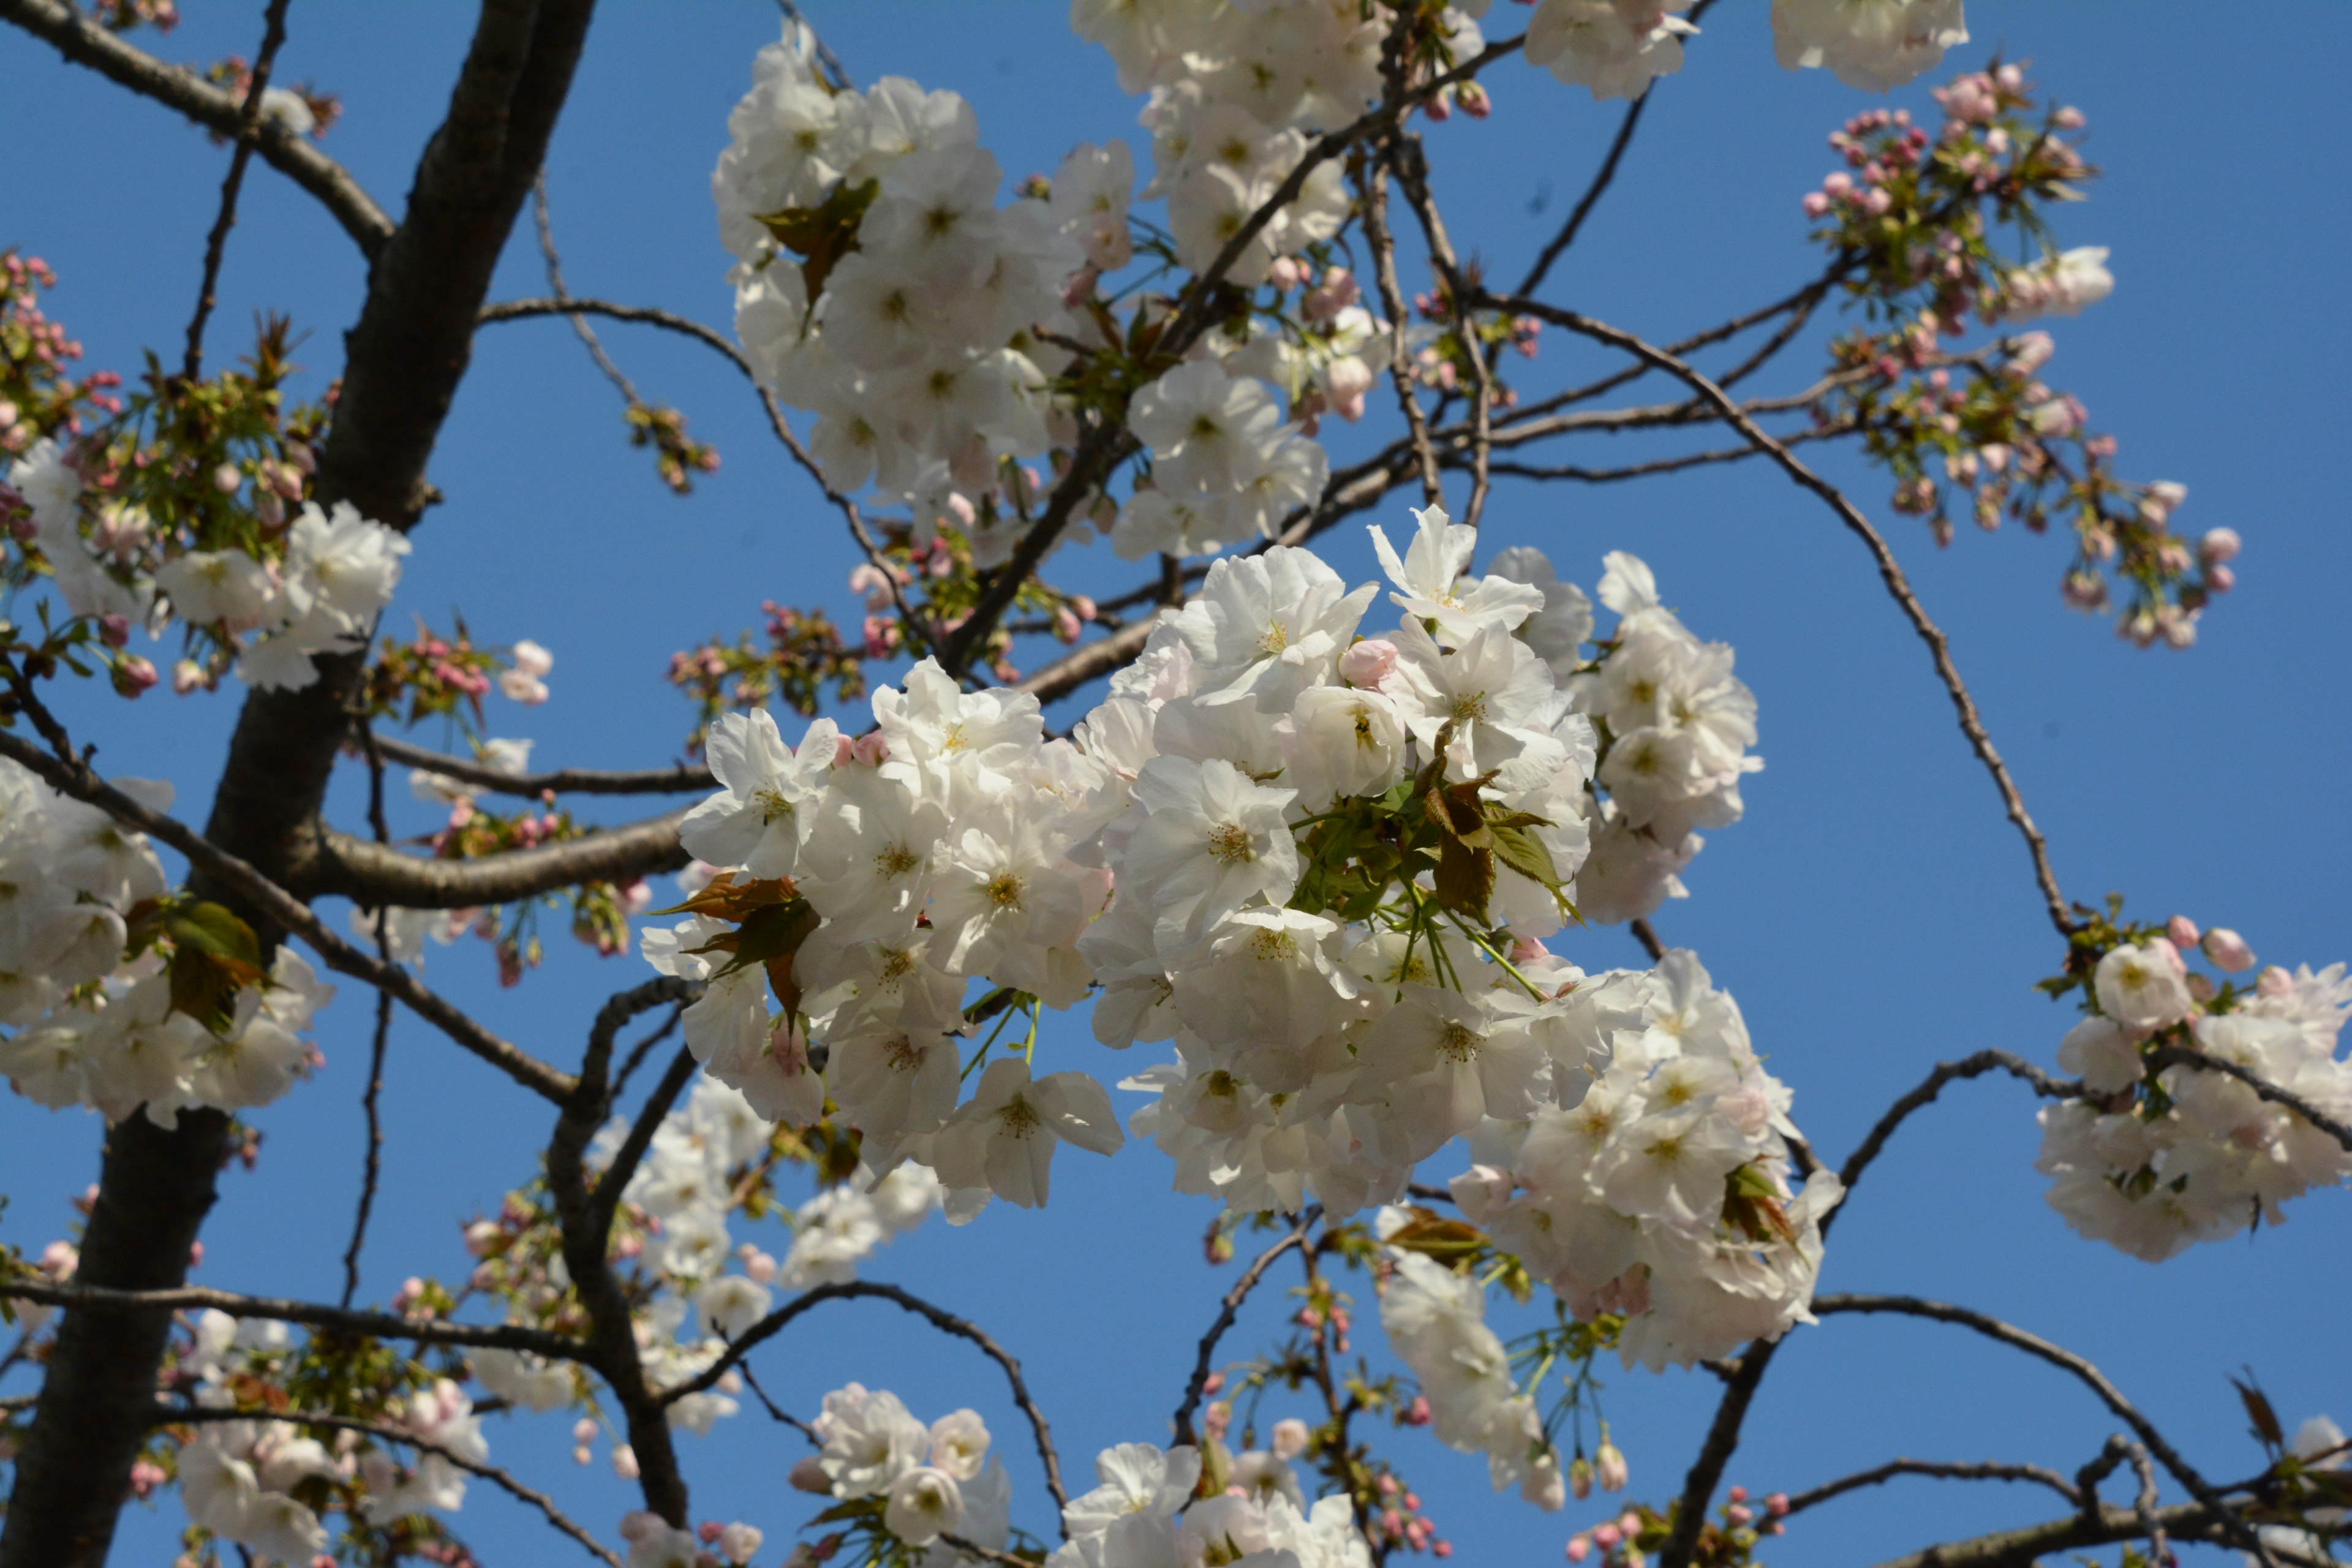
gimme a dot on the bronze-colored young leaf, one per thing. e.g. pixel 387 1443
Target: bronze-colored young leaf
pixel 1466 878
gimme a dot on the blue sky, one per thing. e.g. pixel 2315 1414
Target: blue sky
pixel 1874 914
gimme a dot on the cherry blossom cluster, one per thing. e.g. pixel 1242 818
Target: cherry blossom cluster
pixel 907 322
pixel 319 594
pixel 2155 1157
pixel 1155 1508
pixel 1665 1192
pixel 901 1483
pixel 237 1477
pixel 121 998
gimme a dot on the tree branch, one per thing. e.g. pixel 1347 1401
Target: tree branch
pixel 2023 1548
pixel 171 1416
pixel 1232 1308
pixel 339 1319
pixel 249 115
pixel 776 1322
pixel 1960 1472
pixel 2182 1056
pixel 374 873
pixel 1976 1066
pixel 2074 1365
pixel 1585 203
pixel 1939 646
pixel 85 43
pixel 680 779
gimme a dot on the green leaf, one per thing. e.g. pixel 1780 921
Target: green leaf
pixel 821 236
pixel 1525 853
pixel 212 928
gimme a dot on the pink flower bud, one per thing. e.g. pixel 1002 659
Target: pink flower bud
pixel 1607 1536
pixel 134 676
pixel 2228 951
pixel 707 1531
pixel 197 1248
pixel 1736 1494
pixel 226 479
pixel 1286 273
pixel 873 749
pixel 738 1542
pixel 1368 663
pixel 2181 932
pixel 1289 1437
pixel 2275 982
pixel 808 1476
pixel 2220 579
pixel 624 1462
pixel 638 1524
pixel 1216 1380
pixel 844 751
pixel 1579 1548
pixel 2219 544
pixel 1776 1504
pixel 583 1430
pixel 583 1455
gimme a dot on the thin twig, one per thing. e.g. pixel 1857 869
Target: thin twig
pixel 678 780
pixel 375 1325
pixel 776 1322
pixel 1959 1472
pixel 174 1416
pixel 1897 585
pixel 273 36
pixel 2164 1056
pixel 774 1410
pixel 2065 1361
pixel 1373 191
pixel 1584 205
pixel 372 1160
pixel 643 1048
pixel 1405 154
pixel 1644 933
pixel 1199 1383
pixel 1976 1066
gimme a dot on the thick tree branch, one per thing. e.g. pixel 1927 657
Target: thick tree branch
pixel 102 1301
pixel 2023 1548
pixel 174 1416
pixel 85 43
pixel 680 779
pixel 948 1323
pixel 377 875
pixel 1897 585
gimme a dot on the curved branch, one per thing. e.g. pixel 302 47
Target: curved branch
pixel 1976 1066
pixel 166 1415
pixel 2182 1056
pixel 776 1322
pixel 1939 646
pixel 342 1320
pixel 678 780
pixel 85 43
pixel 1584 205
pixel 275 903
pixel 2022 1548
pixel 373 874
pixel 2067 1362
pixel 1959 1472
pixel 1233 1305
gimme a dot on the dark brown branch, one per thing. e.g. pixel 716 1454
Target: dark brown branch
pixel 1593 193
pixel 1959 1472
pixel 680 779
pixel 85 43
pixel 372 1162
pixel 2074 1365
pixel 2164 1056
pixel 273 36
pixel 374 873
pixel 174 1416
pixel 1403 153
pixel 1232 1307
pixel 2028 1546
pixel 604 1198
pixel 1740 1386
pixel 1897 585
pixel 1644 933
pixel 100 1299
pixel 275 904
pixel 1372 194
pixel 1976 1066
pixel 1581 475
pixel 948 1323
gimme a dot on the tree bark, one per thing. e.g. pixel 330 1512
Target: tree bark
pixel 405 359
